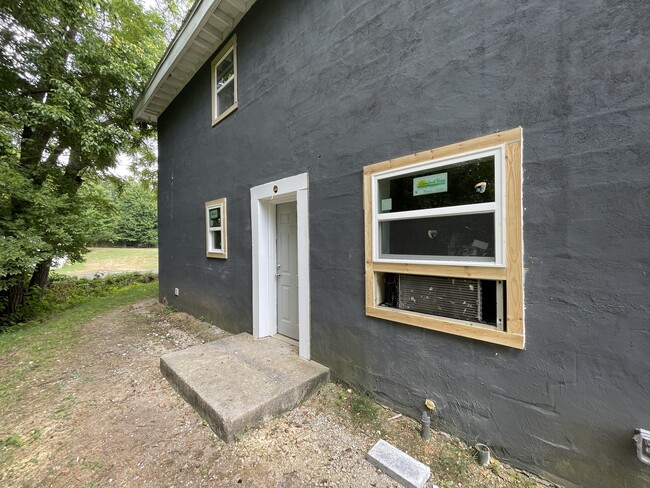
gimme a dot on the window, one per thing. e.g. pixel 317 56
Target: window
pixel 444 239
pixel 215 223
pixel 224 81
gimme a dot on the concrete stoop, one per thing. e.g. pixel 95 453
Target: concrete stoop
pixel 239 382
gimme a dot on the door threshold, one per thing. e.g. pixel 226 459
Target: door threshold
pixel 286 339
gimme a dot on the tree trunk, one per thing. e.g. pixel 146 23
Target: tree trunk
pixel 40 275
pixel 16 296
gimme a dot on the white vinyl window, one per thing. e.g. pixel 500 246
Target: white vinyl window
pixel 216 238
pixel 446 211
pixel 224 81
pixel 443 231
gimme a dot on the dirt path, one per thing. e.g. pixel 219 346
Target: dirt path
pixel 102 415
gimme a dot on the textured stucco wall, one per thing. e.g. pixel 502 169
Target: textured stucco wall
pixel 330 86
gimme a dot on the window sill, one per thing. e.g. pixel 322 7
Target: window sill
pixel 217 255
pixel 230 110
pixel 449 326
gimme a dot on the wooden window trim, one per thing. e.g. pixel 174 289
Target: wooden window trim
pixel 231 45
pixel 511 271
pixel 223 253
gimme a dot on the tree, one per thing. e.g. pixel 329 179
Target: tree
pixel 101 197
pixel 137 218
pixel 70 71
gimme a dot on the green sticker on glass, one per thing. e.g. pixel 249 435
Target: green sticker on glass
pixel 424 185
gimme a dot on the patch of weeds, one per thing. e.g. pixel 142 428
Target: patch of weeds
pixel 453 461
pixel 83 377
pixel 65 408
pixel 341 400
pixel 360 407
pixel 238 437
pixel 364 407
pixel 35 434
pixel 13 440
pixel 65 292
pixel 93 465
pixel 495 468
pixel 518 480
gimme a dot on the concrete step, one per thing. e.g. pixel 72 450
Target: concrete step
pixel 239 382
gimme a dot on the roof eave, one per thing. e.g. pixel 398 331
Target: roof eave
pixel 207 25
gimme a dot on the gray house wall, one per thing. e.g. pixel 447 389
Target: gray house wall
pixel 326 87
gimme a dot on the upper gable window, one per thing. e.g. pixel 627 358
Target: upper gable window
pixel 224 81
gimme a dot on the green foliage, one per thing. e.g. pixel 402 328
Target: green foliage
pixel 121 212
pixel 12 441
pixel 363 409
pixel 65 292
pixel 70 72
pixel 137 217
pixel 100 197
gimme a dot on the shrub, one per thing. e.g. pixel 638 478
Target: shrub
pixel 64 292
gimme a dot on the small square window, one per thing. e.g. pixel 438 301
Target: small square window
pixel 215 223
pixel 224 81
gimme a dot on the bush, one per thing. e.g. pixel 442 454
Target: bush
pixel 64 292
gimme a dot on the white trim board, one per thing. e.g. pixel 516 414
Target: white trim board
pixel 214 19
pixel 263 201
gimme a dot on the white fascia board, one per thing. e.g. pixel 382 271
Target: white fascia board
pixel 194 22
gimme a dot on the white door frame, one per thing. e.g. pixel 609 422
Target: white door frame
pixel 263 201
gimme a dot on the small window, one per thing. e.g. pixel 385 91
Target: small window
pixel 443 239
pixel 215 216
pixel 224 81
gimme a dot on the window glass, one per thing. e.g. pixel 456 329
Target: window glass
pixel 462 183
pixel 224 81
pixel 457 237
pixel 215 217
pixel 225 70
pixel 225 98
pixel 216 240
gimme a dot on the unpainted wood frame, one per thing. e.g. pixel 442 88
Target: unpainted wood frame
pixel 512 273
pixel 220 202
pixel 231 44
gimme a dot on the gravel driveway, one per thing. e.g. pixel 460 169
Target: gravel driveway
pixel 102 415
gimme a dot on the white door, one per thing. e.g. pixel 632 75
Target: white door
pixel 287 269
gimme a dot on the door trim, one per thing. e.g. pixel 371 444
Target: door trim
pixel 263 229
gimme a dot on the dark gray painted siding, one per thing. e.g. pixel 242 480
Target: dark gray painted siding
pixel 330 86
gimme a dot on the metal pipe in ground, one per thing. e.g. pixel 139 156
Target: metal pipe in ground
pixel 483 454
pixel 426 426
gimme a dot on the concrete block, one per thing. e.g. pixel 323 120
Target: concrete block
pixel 239 382
pixel 398 465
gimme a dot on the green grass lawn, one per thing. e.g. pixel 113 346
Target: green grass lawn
pixel 113 260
